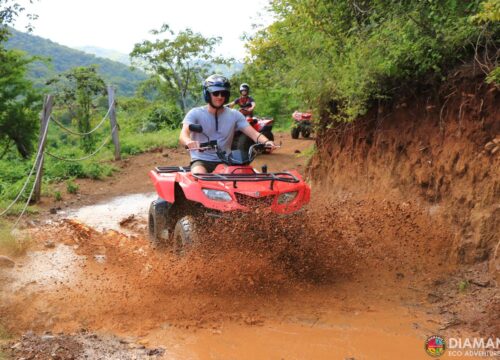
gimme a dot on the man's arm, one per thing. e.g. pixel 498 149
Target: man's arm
pixel 185 138
pixel 251 107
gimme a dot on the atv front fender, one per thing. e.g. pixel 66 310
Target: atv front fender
pixel 164 184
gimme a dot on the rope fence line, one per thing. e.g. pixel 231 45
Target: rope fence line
pixel 38 174
pixel 38 162
pixel 35 162
pixel 58 123
pixel 85 157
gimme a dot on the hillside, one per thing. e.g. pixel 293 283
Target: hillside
pixel 63 58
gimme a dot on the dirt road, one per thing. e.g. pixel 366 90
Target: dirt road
pixel 359 283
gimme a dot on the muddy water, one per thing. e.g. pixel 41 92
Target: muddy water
pixel 107 215
pixel 377 334
pixel 199 308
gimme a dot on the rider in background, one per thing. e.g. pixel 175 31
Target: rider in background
pixel 245 101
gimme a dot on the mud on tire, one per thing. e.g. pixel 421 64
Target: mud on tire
pixel 157 223
pixel 184 237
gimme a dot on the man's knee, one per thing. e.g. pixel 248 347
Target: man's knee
pixel 198 169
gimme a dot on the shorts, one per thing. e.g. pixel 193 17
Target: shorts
pixel 209 165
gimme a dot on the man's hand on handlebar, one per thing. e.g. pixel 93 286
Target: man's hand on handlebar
pixel 192 144
pixel 270 144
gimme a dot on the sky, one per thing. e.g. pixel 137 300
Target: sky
pixel 119 24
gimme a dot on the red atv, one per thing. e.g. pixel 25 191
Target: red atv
pixel 301 124
pixel 262 125
pixel 185 198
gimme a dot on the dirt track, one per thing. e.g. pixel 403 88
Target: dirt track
pixel 350 278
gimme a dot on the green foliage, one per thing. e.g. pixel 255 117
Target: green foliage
pixel 179 61
pixel 71 186
pixel 19 104
pixel 353 53
pixel 164 116
pixel 80 88
pixel 494 76
pixel 463 286
pixel 490 12
pixel 57 196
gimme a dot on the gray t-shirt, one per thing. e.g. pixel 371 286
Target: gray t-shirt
pixel 229 121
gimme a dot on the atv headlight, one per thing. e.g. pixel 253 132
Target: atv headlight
pixel 217 195
pixel 287 197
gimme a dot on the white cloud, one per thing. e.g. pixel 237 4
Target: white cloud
pixel 118 25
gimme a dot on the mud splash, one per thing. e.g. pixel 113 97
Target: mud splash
pixel 329 281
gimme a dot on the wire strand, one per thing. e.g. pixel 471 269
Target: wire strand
pixel 44 136
pixel 85 157
pixel 58 123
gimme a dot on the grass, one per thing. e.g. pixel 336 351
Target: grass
pixel 12 245
pixel 136 143
pixel 463 286
pixel 4 334
pixel 71 186
pixel 17 207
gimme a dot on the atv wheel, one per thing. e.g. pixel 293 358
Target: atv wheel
pixel 295 132
pixel 184 237
pixel 157 223
pixel 306 132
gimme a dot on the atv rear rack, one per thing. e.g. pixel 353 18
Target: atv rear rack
pixel 272 177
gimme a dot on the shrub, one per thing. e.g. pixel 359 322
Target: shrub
pixel 71 186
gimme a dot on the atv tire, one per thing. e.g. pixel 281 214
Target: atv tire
pixel 295 132
pixel 184 237
pixel 157 223
pixel 306 132
pixel 244 143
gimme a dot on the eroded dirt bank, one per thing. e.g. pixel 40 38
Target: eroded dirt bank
pixel 439 151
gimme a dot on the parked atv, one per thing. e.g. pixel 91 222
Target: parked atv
pixel 262 125
pixel 301 124
pixel 184 198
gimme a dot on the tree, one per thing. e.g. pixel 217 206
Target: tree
pixel 180 61
pixel 19 102
pixel 78 88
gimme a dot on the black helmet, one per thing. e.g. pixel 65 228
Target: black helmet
pixel 216 83
pixel 245 86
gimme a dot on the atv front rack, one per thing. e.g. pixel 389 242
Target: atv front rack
pixel 235 178
pixel 172 169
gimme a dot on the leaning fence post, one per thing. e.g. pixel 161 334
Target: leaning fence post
pixel 44 123
pixel 112 121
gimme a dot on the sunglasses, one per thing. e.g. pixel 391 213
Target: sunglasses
pixel 220 93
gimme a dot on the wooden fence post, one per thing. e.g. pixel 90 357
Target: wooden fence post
pixel 44 123
pixel 112 121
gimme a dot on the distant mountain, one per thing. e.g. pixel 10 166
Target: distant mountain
pixel 106 53
pixel 64 58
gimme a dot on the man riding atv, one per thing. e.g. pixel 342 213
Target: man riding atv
pixel 219 123
pixel 245 101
